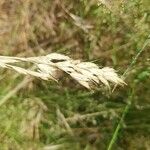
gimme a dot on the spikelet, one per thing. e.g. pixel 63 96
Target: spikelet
pixel 85 73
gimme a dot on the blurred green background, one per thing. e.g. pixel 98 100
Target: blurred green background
pixel 41 115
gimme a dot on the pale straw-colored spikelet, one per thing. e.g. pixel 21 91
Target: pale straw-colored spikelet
pixel 86 73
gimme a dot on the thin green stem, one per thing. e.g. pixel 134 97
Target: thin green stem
pixel 137 55
pixel 115 134
pixel 127 107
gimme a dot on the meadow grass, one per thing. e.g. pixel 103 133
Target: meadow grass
pixel 38 114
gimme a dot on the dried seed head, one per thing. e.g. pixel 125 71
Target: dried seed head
pixel 85 73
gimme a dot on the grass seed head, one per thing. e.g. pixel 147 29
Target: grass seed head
pixel 85 73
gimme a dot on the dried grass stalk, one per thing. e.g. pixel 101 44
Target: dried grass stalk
pixel 85 73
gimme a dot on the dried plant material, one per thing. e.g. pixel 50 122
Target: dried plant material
pixel 53 147
pixel 85 73
pixel 33 115
pixel 80 22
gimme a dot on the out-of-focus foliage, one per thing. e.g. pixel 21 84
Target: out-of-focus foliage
pixel 46 115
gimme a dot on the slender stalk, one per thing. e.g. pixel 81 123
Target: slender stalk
pixel 134 60
pixel 127 107
pixel 115 134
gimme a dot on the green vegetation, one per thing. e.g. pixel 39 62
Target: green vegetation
pixel 36 114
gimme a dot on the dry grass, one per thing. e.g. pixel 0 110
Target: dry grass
pixel 49 66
